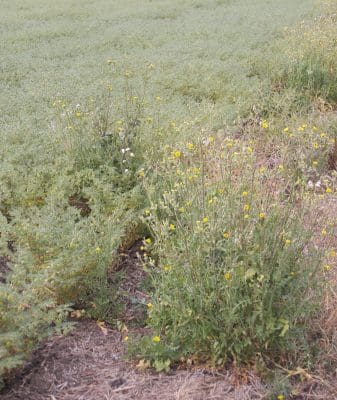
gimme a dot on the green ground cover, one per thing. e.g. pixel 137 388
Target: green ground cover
pixel 201 49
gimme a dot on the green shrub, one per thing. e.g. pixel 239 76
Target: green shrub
pixel 305 60
pixel 313 75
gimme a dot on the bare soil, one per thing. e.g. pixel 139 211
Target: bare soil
pixel 89 365
pixel 4 268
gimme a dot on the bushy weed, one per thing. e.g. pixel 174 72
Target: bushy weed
pixel 234 273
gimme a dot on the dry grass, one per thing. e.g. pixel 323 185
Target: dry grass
pixel 324 214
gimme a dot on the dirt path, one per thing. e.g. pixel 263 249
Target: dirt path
pixel 89 365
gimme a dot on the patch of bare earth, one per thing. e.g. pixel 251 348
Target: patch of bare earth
pixel 89 365
pixel 4 268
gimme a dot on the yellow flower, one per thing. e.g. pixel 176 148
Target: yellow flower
pixel 314 163
pixel 328 190
pixel 280 397
pixel 287 242
pixel 323 135
pixel 156 339
pixel 211 139
pixel 244 194
pixel 246 207
pixel 126 338
pixel 98 249
pixel 205 220
pixel 246 216
pixel 149 305
pixel 264 124
pixel 226 235
pixel 228 276
pixel 148 241
pixel 262 215
pixel 167 268
pixel 141 173
pixel 158 98
pixel 190 146
pixel 249 150
pixel 300 129
pixel 176 154
pixel 327 267
pixel 324 232
pixel 281 167
pixel 78 113
pixel 315 145
pixel 229 145
pixel 332 253
pixel 286 129
pixel 182 209
pixel 172 227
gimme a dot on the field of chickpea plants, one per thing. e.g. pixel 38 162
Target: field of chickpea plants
pixel 168 185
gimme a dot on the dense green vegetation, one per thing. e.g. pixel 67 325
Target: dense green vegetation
pixel 197 125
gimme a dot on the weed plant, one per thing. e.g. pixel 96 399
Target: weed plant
pixel 234 273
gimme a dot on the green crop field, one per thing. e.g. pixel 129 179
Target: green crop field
pixel 201 132
pixel 201 50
